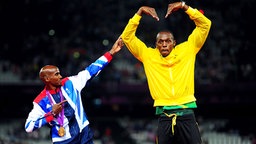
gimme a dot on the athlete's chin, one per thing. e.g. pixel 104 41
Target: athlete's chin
pixel 58 84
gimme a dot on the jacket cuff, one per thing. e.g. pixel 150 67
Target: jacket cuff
pixel 108 56
pixel 136 18
pixel 190 11
pixel 49 117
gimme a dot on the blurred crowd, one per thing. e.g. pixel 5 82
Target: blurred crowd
pixel 72 34
pixel 125 131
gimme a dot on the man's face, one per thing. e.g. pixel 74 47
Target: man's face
pixel 50 75
pixel 54 77
pixel 165 43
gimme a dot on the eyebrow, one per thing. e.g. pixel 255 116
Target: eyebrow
pixel 57 73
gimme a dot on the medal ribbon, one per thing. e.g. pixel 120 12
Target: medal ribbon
pixel 60 118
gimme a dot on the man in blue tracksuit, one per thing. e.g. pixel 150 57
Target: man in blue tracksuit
pixel 59 104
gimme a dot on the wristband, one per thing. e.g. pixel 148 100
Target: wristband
pixel 53 114
pixel 182 4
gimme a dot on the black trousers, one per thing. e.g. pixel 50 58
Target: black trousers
pixel 186 130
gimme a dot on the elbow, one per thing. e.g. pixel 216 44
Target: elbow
pixel 28 130
pixel 207 26
pixel 209 23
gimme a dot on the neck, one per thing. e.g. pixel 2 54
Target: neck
pixel 50 87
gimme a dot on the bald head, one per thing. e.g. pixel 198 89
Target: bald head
pixel 46 71
pixel 51 76
pixel 165 33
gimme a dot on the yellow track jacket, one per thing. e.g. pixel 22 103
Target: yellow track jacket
pixel 170 79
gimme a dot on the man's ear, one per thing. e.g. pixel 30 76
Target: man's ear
pixel 46 78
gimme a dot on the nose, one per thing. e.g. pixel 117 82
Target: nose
pixel 164 43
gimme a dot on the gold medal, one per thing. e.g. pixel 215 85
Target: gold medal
pixel 61 131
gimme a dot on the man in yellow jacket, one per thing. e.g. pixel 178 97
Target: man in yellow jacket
pixel 169 69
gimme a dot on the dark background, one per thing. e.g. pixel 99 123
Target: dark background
pixel 225 69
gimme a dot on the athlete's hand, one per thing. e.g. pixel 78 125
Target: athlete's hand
pixel 172 7
pixel 117 46
pixel 148 11
pixel 57 108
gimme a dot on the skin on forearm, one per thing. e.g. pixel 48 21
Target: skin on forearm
pixel 111 52
pixel 139 12
pixel 185 8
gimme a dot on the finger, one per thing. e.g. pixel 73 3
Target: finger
pixel 62 102
pixel 168 12
pixel 120 43
pixel 154 14
pixel 166 15
pixel 120 40
pixel 156 18
pixel 117 43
